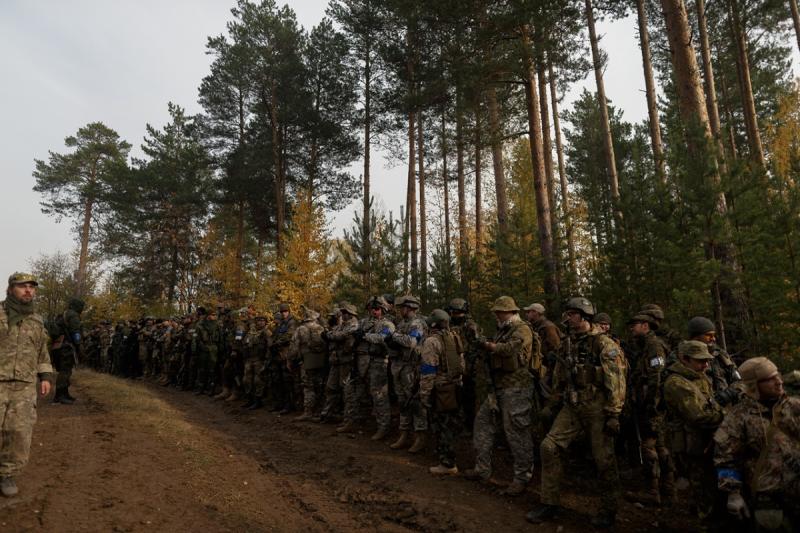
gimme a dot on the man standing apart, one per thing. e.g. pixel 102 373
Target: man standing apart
pixel 23 358
pixel 65 349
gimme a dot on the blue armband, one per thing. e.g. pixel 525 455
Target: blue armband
pixel 386 332
pixel 729 473
pixel 426 370
pixel 76 337
pixel 417 334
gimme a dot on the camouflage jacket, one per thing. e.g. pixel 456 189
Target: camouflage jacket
pixel 645 378
pixel 407 337
pixel 777 474
pixel 432 363
pixel 282 333
pixel 591 366
pixel 23 349
pixel 692 413
pixel 549 334
pixel 738 443
pixel 208 336
pixel 343 340
pixel 508 362
pixel 379 331
pixel 308 346
pixel 258 342
pixel 723 370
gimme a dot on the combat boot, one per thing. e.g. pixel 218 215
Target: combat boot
pixel 404 441
pixel 224 394
pixel 8 487
pixel 443 470
pixel 307 415
pixel 604 519
pixel 380 434
pixel 420 441
pixel 474 475
pixel 543 513
pixel 348 427
pixel 234 396
pixel 257 404
pixel 514 489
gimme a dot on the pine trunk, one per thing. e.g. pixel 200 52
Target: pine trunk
pixel 608 141
pixel 795 20
pixel 547 151
pixel 366 243
pixel 562 174
pixel 83 257
pixel 445 188
pixel 746 86
pixel 423 228
pixel 411 202
pixel 495 131
pixel 650 92
pixel 239 274
pixel 463 245
pixel 478 183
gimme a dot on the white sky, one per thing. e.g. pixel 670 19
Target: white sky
pixel 66 64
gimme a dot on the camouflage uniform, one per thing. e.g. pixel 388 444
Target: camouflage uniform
pixel 550 337
pixel 403 354
pixel 257 345
pixel 723 370
pixel 692 417
pixel 208 340
pixel 23 358
pixel 375 366
pixel 513 391
pixel 284 382
pixel 438 386
pixel 469 332
pixel 342 340
pixel 309 351
pixel 65 352
pixel 589 377
pixel 357 386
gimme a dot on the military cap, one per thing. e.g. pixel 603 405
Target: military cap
pixel 757 369
pixel 409 301
pixel 539 308
pixel 438 318
pixel 581 304
pixel 602 318
pixel 348 308
pixel 653 310
pixel 458 304
pixel 505 304
pixel 637 318
pixel 22 277
pixel 283 307
pixel 700 325
pixel 694 350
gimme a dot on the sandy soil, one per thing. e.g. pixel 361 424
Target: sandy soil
pixel 134 456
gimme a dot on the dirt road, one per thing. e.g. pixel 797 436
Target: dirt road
pixel 133 456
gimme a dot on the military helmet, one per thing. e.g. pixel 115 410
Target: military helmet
pixel 581 304
pixel 348 308
pixel 22 277
pixel 438 318
pixel 389 297
pixel 757 369
pixel 412 302
pixel 378 302
pixel 700 325
pixel 505 304
pixel 602 318
pixel 637 318
pixel 694 350
pixel 458 304
pixel 283 307
pixel 654 310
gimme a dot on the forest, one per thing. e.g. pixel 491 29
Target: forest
pixel 695 208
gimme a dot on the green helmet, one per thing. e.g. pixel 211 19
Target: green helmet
pixel 505 304
pixel 22 277
pixel 458 304
pixel 438 319
pixel 389 297
pixel 603 318
pixel 581 304
pixel 378 302
pixel 409 301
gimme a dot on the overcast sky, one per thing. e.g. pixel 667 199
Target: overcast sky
pixel 68 63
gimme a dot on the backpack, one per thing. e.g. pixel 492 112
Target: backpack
pixel 452 363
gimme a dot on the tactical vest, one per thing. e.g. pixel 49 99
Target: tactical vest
pixel 317 349
pixel 452 364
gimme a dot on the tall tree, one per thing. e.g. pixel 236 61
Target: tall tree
pixel 78 184
pixel 650 91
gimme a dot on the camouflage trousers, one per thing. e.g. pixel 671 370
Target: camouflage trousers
pixel 335 388
pixel 413 415
pixel 63 362
pixel 656 457
pixel 372 376
pixel 253 377
pixel 515 406
pixel 585 420
pixel 313 380
pixel 206 363
pixel 18 415
pixel 446 426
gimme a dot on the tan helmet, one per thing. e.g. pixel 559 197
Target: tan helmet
pixel 694 350
pixel 22 277
pixel 505 304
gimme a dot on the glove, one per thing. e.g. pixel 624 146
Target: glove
pixel 611 427
pixel 727 396
pixel 737 506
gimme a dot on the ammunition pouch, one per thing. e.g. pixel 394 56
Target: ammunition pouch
pixel 446 397
pixel 504 363
pixel 586 375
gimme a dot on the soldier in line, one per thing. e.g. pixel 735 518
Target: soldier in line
pixel 207 342
pixel 671 337
pixel 510 400
pixel 341 343
pixel 645 385
pixel 309 351
pixel 66 347
pixel 549 335
pixel 356 387
pixel 441 368
pixel 24 360
pixel 739 441
pixel 692 417
pixel 722 370
pixel 378 365
pixel 468 332
pixel 589 382
pixel 403 356
pixel 285 378
pixel 255 355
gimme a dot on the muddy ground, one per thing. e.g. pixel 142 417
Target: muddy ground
pixel 135 456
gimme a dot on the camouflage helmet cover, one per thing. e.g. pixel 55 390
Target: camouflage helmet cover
pixel 654 310
pixel 438 318
pixel 412 302
pixel 458 304
pixel 348 308
pixel 22 277
pixel 505 304
pixel 581 304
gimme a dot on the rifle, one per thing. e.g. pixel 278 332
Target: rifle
pixel 491 397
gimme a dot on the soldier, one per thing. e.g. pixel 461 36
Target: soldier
pixel 722 370
pixel 390 308
pixel 403 356
pixel 342 340
pixel 377 365
pixel 357 386
pixel 65 349
pixel 105 345
pixel 441 368
pixel 589 378
pixel 549 335
pixel 692 417
pixel 506 360
pixel 603 321
pixel 237 335
pixel 309 351
pixel 671 337
pixel 285 383
pixel 146 341
pixel 256 352
pixel 740 439
pixel 207 343
pixel 645 391
pixel 468 332
pixel 23 360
